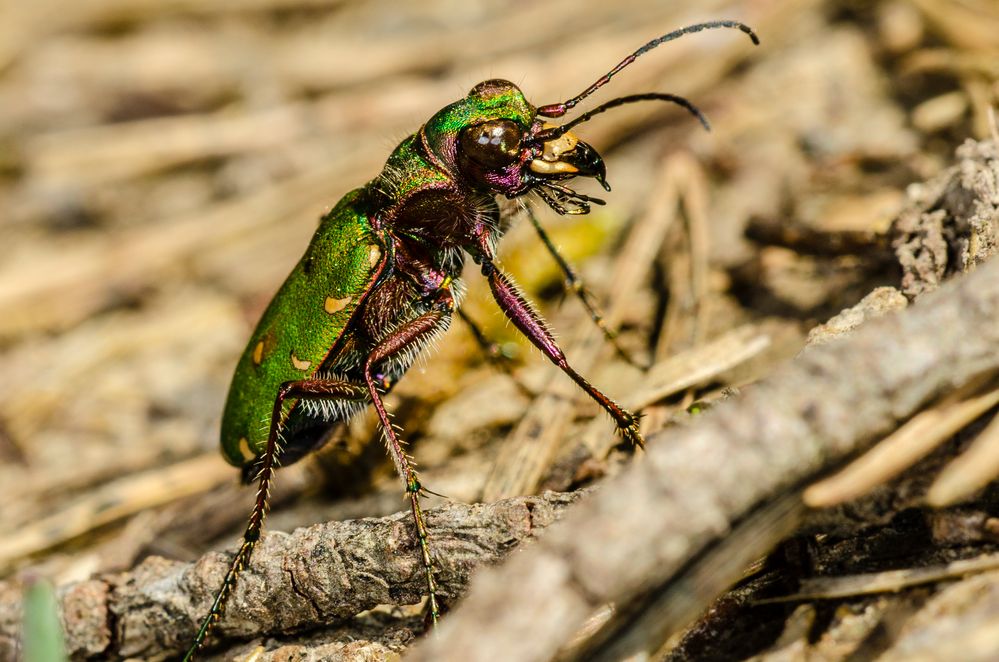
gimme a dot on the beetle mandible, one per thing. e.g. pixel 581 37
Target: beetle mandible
pixel 378 283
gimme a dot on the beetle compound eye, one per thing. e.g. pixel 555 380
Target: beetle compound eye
pixel 492 144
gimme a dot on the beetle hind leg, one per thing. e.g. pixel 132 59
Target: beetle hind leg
pixel 305 389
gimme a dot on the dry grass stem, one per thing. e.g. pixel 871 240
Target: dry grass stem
pixel 897 452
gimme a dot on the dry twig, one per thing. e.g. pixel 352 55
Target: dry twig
pixel 304 579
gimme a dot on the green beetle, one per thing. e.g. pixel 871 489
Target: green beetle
pixel 380 281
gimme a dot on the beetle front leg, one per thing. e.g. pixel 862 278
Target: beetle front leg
pixel 515 306
pixel 311 389
pixel 410 337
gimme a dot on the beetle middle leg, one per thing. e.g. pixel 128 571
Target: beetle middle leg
pixel 407 338
pixel 515 306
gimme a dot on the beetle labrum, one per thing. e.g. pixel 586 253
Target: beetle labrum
pixel 378 283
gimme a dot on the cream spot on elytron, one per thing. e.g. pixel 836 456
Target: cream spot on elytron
pixel 335 305
pixel 374 255
pixel 299 363
pixel 244 448
pixel 258 353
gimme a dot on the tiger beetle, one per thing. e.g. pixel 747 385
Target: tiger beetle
pixel 379 282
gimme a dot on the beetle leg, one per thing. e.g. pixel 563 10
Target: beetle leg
pixel 557 206
pixel 323 389
pixel 575 285
pixel 529 322
pixel 494 353
pixel 412 334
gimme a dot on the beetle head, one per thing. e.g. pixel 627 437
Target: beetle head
pixel 493 140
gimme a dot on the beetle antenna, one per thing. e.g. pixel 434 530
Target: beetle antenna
pixel 560 109
pixel 556 131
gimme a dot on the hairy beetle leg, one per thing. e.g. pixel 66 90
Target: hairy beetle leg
pixel 411 335
pixel 407 336
pixel 305 389
pixel 515 306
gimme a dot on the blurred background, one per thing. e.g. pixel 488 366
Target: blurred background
pixel 163 164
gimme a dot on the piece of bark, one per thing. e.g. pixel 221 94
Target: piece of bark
pixel 294 581
pixel 651 521
pixel 951 223
pixel 879 302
